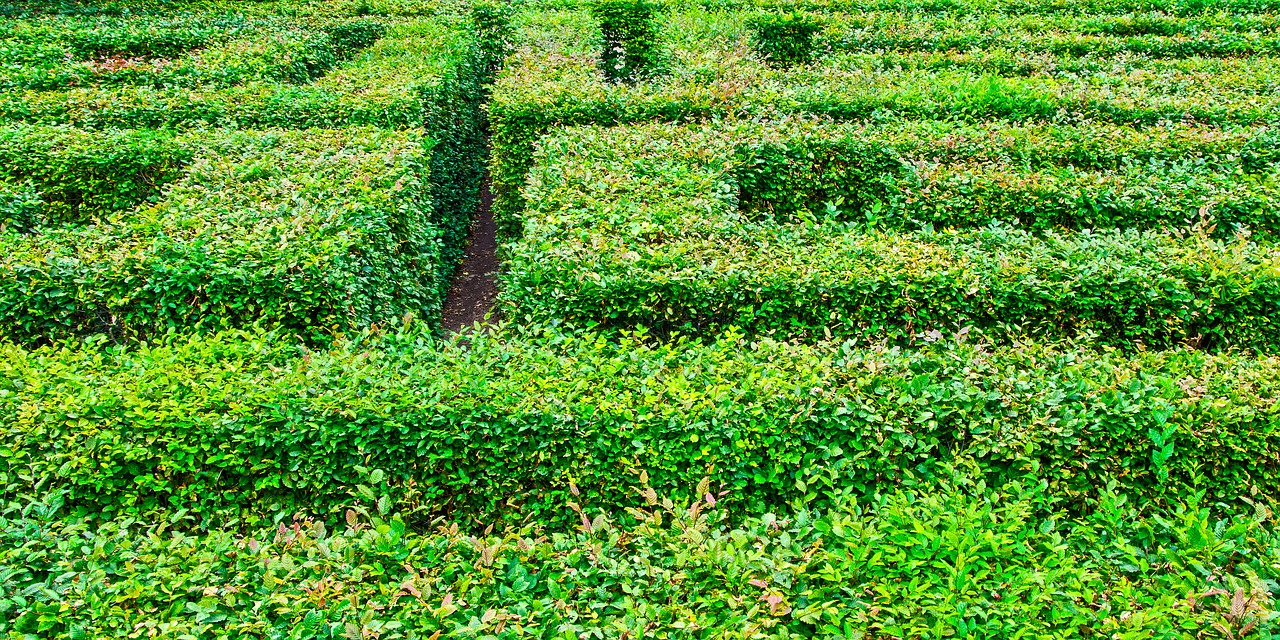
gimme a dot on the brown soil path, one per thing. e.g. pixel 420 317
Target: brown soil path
pixel 475 286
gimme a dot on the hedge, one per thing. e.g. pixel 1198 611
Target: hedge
pixel 83 175
pixel 919 174
pixel 1161 36
pixel 21 207
pixel 540 90
pixel 392 83
pixel 1140 11
pixel 54 39
pixel 316 231
pixel 923 560
pixel 644 227
pixel 509 426
pixel 258 50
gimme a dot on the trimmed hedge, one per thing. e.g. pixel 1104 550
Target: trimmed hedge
pixel 84 175
pixel 920 561
pixel 644 226
pixel 315 231
pixel 541 89
pixel 921 174
pixel 393 83
pixel 423 74
pixel 511 426
pixel 21 207
pixel 1211 35
pixel 82 38
pixel 258 50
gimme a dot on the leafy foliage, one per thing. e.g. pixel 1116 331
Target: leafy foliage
pixel 492 19
pixel 542 90
pixel 694 229
pixel 630 44
pixel 230 424
pixel 933 558
pixel 83 175
pixel 226 229
pixel 316 232
pixel 785 39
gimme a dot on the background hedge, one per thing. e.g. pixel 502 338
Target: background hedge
pixel 646 226
pixel 714 75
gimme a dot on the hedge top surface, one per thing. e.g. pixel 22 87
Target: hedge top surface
pixel 889 564
pixel 386 84
pixel 649 226
pixel 315 230
pixel 112 9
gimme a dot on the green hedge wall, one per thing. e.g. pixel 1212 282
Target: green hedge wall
pixel 887 566
pixel 1213 34
pixel 1140 12
pixel 391 83
pixel 644 226
pixel 84 175
pixel 234 425
pixel 923 174
pixel 316 231
pixel 220 50
pixel 21 208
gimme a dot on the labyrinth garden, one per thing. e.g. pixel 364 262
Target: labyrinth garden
pixel 892 319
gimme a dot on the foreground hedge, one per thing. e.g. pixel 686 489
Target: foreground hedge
pixel 242 424
pixel 694 229
pixel 930 560
pixel 314 231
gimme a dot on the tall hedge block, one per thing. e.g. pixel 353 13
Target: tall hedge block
pixel 314 231
pixel 629 40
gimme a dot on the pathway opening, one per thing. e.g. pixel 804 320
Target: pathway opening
pixel 475 285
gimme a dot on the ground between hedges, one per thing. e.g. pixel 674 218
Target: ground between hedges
pixel 475 287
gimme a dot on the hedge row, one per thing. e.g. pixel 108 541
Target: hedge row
pixel 393 83
pixel 264 51
pixel 920 174
pixel 1083 36
pixel 54 39
pixel 1140 10
pixel 316 231
pixel 84 175
pixel 84 10
pixel 540 90
pixel 922 561
pixel 514 426
pixel 644 226
pixel 424 74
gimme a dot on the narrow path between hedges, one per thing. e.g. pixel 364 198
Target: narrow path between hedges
pixel 475 286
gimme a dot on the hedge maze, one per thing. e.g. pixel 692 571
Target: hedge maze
pixel 894 319
pixel 213 170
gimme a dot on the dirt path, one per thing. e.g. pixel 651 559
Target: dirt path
pixel 475 286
